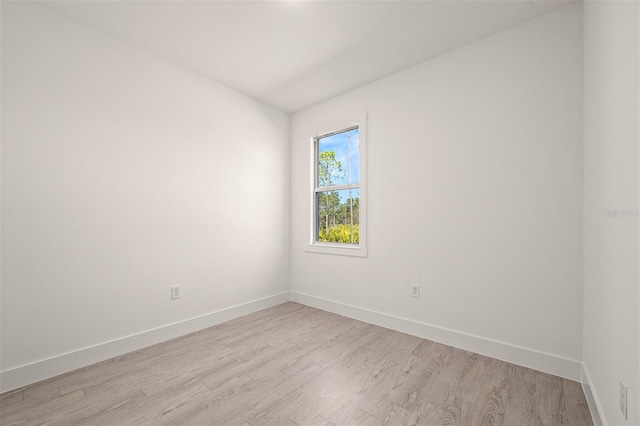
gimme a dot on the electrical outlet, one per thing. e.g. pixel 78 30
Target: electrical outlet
pixel 175 292
pixel 415 291
pixel 623 399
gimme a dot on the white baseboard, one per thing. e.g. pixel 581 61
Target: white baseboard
pixel 47 368
pixel 30 373
pixel 592 398
pixel 552 364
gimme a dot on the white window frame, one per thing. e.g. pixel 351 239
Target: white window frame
pixel 344 249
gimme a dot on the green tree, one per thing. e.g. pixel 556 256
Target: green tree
pixel 343 215
pixel 330 172
pixel 329 206
pixel 337 222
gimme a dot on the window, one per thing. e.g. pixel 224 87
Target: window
pixel 338 198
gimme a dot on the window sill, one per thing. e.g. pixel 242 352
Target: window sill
pixel 340 250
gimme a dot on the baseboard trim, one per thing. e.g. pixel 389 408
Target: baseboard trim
pixel 525 357
pixel 41 370
pixel 592 398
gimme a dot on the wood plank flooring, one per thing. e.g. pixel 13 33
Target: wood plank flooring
pixel 296 365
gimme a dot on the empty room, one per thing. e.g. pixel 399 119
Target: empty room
pixel 307 212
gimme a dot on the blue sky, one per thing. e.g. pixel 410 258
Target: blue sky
pixel 338 143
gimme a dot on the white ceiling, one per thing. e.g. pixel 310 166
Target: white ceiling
pixel 293 54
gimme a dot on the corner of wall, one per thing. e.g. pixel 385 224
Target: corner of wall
pixel 592 400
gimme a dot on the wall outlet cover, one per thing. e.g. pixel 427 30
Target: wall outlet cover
pixel 415 291
pixel 175 292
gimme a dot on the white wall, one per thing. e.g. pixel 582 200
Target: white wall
pixel 611 137
pixel 122 175
pixel 474 192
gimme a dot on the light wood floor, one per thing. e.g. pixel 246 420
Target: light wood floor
pixel 296 365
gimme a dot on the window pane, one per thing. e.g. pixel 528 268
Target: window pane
pixel 339 159
pixel 338 214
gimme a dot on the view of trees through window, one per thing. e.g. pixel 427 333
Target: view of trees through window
pixel 338 193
